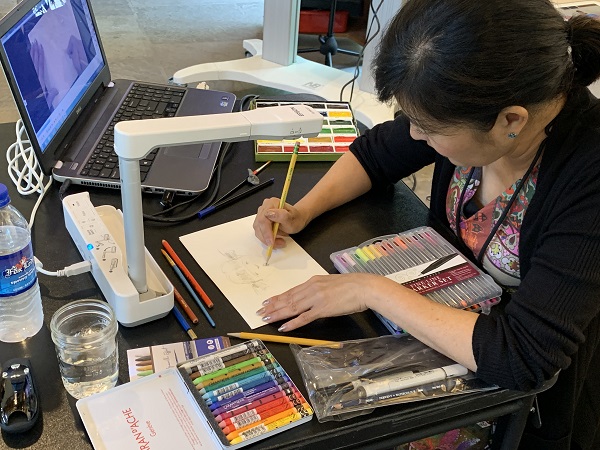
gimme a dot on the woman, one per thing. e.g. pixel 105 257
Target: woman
pixel 494 94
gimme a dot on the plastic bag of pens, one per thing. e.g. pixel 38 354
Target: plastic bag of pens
pixel 364 374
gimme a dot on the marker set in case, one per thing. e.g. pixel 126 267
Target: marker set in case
pixel 424 261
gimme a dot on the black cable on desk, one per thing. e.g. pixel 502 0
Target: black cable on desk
pixel 63 189
pixel 369 39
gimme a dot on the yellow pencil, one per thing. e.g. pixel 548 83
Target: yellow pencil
pixel 285 339
pixel 286 187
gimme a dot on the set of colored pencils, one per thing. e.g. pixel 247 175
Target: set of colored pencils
pixel 246 390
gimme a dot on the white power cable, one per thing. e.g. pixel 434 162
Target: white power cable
pixel 27 175
pixel 73 269
pixel 24 169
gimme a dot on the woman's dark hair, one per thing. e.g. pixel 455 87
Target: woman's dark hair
pixel 452 62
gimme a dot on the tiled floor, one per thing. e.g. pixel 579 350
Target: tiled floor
pixel 151 39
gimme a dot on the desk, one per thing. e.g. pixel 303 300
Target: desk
pixel 59 426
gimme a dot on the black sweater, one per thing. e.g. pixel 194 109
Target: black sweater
pixel 552 322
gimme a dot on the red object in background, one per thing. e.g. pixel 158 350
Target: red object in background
pixel 317 21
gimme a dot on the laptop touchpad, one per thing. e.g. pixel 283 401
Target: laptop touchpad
pixel 196 151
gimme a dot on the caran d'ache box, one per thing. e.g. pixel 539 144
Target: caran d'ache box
pixel 167 410
pixel 338 132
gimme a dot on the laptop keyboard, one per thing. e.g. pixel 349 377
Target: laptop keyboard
pixel 142 102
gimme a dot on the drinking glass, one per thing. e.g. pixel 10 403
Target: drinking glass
pixel 84 334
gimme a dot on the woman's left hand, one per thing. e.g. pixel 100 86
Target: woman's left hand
pixel 321 296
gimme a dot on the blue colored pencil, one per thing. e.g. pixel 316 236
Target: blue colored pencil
pixel 186 326
pixel 188 287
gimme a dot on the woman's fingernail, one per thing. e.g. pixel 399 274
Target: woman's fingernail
pixel 260 311
pixel 266 319
pixel 270 214
pixel 281 328
pixel 266 302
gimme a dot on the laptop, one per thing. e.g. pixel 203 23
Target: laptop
pixel 56 68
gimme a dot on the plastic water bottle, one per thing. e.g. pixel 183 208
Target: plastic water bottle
pixel 21 314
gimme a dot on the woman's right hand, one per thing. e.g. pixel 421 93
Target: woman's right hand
pixel 291 220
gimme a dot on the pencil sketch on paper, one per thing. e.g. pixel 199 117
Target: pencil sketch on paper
pixel 234 259
pixel 247 270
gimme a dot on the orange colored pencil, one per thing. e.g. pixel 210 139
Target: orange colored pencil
pixel 291 413
pixel 187 274
pixel 251 419
pixel 186 308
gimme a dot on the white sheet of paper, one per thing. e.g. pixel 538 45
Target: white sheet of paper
pixel 234 259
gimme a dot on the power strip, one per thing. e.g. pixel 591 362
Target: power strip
pixel 98 234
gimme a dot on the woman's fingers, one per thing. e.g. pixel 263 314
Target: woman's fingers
pixel 321 296
pixel 263 226
pixel 268 214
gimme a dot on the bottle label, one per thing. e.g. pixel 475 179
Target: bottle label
pixel 17 272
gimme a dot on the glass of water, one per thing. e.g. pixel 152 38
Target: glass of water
pixel 84 334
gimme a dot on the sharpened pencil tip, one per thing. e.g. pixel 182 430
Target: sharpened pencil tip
pixel 192 334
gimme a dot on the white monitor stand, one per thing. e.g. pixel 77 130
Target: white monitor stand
pixel 274 63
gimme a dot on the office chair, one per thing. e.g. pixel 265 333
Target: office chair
pixel 329 46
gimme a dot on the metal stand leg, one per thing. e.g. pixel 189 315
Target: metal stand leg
pixel 329 46
pixel 510 427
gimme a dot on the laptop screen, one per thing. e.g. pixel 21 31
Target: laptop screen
pixel 54 57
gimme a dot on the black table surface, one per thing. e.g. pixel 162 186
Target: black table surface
pixel 60 427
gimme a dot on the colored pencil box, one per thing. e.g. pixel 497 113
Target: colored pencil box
pixel 338 132
pixel 144 361
pixel 424 261
pixel 167 410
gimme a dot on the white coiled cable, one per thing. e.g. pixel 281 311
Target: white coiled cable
pixel 27 175
pixel 24 169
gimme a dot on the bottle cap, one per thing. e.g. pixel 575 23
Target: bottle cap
pixel 4 198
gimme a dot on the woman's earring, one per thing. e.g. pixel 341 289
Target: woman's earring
pixel 512 135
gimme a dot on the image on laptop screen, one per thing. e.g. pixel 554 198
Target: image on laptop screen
pixel 53 30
